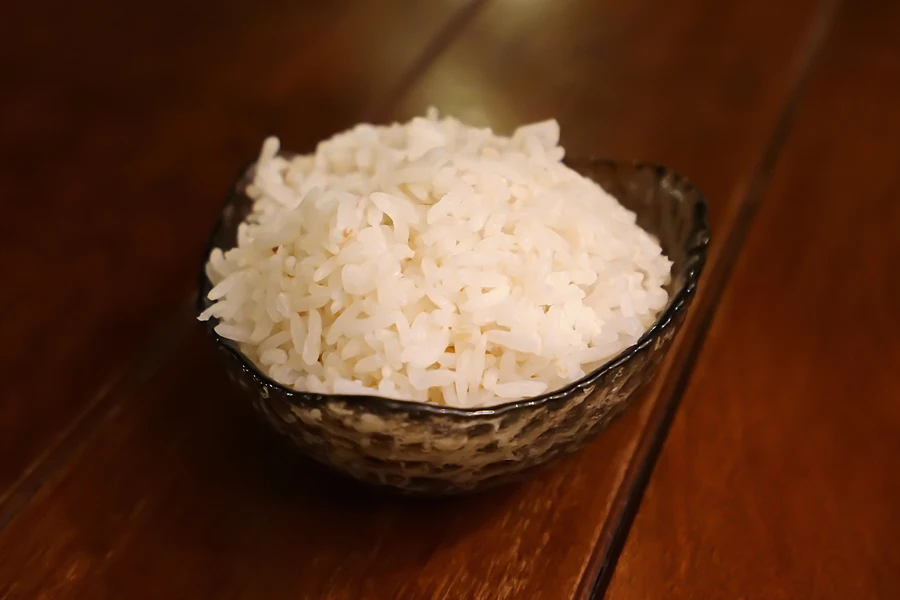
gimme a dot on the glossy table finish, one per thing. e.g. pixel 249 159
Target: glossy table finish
pixel 779 478
pixel 129 470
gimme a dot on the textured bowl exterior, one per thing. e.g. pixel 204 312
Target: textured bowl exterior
pixel 429 449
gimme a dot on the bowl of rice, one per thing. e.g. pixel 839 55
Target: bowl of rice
pixel 437 308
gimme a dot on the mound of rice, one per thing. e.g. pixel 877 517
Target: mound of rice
pixel 436 262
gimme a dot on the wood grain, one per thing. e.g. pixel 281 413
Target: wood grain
pixel 121 132
pixel 179 494
pixel 779 476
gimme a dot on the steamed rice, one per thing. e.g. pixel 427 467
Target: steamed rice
pixel 436 262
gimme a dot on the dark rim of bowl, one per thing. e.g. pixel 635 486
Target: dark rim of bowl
pixel 698 240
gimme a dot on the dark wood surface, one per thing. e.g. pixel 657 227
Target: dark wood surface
pixel 779 478
pixel 129 470
pixel 122 130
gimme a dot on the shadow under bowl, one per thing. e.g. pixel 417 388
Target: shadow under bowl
pixel 430 449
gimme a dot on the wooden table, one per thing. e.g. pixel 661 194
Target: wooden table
pixel 128 470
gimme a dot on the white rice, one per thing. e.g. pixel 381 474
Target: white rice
pixel 436 262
